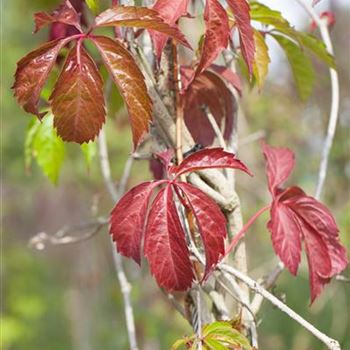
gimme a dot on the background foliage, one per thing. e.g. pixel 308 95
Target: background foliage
pixel 68 298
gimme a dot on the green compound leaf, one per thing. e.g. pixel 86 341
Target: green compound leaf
pixel 301 65
pixel 216 336
pixel 43 144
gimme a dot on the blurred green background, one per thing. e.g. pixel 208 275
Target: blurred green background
pixel 68 297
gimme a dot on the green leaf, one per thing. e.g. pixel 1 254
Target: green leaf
pixel 93 5
pixel 261 59
pixel 225 334
pixel 317 47
pixel 212 344
pixel 43 144
pixel 301 66
pixel 89 151
pixel 263 14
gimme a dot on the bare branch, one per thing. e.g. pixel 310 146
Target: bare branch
pixel 341 278
pixel 334 112
pixel 256 287
pixel 64 236
pixel 216 128
pixel 268 283
pixel 124 284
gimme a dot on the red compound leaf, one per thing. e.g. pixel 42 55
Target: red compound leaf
pixel 296 217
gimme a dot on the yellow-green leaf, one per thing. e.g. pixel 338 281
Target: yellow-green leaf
pixel 261 59
pixel 301 65
pixel 43 144
pixel 93 5
pixel 89 151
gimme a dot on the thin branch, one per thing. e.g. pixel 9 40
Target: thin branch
pixel 341 278
pixel 255 136
pixel 124 284
pixel 334 112
pixel 125 177
pixel 268 283
pixel 175 303
pixel 64 236
pixel 256 287
pixel 216 128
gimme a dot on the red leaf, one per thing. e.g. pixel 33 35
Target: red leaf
pixel 170 11
pixel 228 75
pixel 140 17
pixel 165 244
pixel 32 72
pixel 65 13
pixel 207 90
pixel 207 159
pixel 128 219
pixel 316 217
pixel 295 217
pixel 77 100
pixel 130 81
pixel 240 9
pixel 279 165
pixel 286 235
pixel 211 223
pixel 216 35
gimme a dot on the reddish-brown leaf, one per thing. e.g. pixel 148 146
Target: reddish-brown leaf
pixel 211 224
pixel 32 72
pixel 279 165
pixel 206 159
pixel 165 244
pixel 296 217
pixel 128 219
pixel 241 13
pixel 65 14
pixel 216 34
pixel 170 11
pixel 207 90
pixel 77 100
pixel 130 81
pixel 140 17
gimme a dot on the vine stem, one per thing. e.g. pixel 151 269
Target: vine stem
pixel 257 288
pixel 244 229
pixel 334 112
pixel 123 281
pixel 178 106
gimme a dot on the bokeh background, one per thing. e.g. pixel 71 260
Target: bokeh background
pixel 68 297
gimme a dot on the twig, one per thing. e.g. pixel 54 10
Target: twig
pixel 124 284
pixel 125 177
pixel 64 237
pixel 255 136
pixel 256 287
pixel 216 128
pixel 341 278
pixel 269 282
pixel 175 303
pixel 333 116
pixel 199 308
